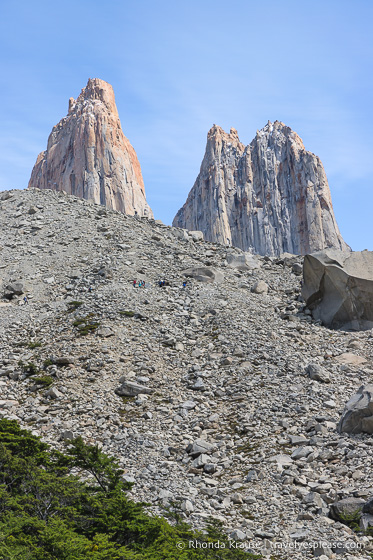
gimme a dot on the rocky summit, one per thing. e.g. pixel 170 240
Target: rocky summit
pixel 269 197
pixel 222 397
pixel 88 155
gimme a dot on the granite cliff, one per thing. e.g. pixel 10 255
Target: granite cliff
pixel 270 197
pixel 88 155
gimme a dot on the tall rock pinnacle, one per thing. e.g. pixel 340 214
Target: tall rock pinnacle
pixel 271 196
pixel 89 156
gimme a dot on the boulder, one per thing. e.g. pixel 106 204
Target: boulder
pixel 260 287
pixel 196 235
pixel 242 262
pixel 357 416
pixel 318 373
pixel 204 274
pixel 13 289
pixel 345 508
pixel 338 288
pixel 131 389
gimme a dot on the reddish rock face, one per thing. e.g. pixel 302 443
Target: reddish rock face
pixel 89 156
pixel 270 197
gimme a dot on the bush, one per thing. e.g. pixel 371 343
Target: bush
pixel 48 513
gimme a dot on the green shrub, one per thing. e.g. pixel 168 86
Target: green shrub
pixel 29 369
pixel 45 380
pixel 73 305
pixel 49 513
pixel 86 325
pixel 33 345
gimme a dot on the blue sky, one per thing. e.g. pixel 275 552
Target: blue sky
pixel 178 68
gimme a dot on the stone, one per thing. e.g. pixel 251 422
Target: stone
pixel 131 389
pixel 338 288
pixel 200 446
pixel 318 373
pixel 204 274
pixel 301 452
pixel 88 155
pixel 260 287
pixel 347 358
pixel 243 262
pixel 271 196
pixel 53 393
pixel 346 507
pixel 13 289
pixel 366 521
pixel 196 235
pixel 357 416
pixel 237 535
pixel 200 461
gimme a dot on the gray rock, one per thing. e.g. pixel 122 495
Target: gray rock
pixel 260 287
pixel 200 461
pixel 338 288
pixel 237 535
pixel 196 235
pixel 131 389
pixel 346 507
pixel 366 521
pixel 243 262
pixel 357 416
pixel 13 289
pixel 200 446
pixel 204 274
pixel 318 373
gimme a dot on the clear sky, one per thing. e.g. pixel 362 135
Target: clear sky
pixel 179 67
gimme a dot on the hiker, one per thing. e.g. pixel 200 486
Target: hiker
pixel 25 300
pixel 134 283
pixel 184 284
pixel 143 284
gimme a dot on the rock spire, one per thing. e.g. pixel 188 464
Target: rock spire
pixel 271 196
pixel 89 156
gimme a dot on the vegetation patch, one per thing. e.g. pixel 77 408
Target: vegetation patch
pixel 74 506
pixel 73 305
pixel 29 369
pixel 44 381
pixel 127 313
pixel 86 325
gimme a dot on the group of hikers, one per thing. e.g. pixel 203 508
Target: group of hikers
pixel 161 283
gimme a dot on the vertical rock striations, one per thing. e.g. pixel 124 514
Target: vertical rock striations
pixel 89 156
pixel 271 196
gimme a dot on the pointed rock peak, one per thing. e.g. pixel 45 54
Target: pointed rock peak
pixel 270 197
pixel 96 90
pixel 96 162
pixel 278 129
pixel 217 133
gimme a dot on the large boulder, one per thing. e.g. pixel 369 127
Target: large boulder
pixel 357 416
pixel 343 509
pixel 242 262
pixel 338 288
pixel 204 274
pixel 13 289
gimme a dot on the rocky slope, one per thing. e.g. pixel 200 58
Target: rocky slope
pixel 271 196
pixel 229 421
pixel 89 156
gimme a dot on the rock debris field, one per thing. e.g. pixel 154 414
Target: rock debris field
pixel 222 397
